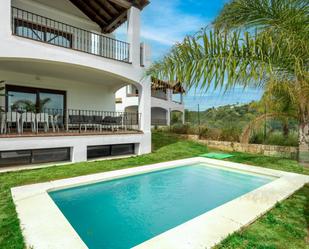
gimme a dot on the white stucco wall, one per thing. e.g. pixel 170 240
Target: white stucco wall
pixel 17 47
pixel 78 144
pixel 90 94
pixel 160 108
pixel 80 95
pixel 126 101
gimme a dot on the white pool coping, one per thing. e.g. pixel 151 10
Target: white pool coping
pixel 45 227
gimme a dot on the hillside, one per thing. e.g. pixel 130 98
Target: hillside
pixel 224 116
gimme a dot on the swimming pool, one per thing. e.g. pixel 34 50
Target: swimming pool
pixel 190 203
pixel 122 213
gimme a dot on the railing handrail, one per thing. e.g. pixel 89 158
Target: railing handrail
pixel 70 120
pixel 70 25
pixel 116 41
pixel 159 97
pixel 45 110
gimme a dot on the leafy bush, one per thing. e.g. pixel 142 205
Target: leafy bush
pixel 180 128
pixel 210 133
pixel 231 133
pixel 275 138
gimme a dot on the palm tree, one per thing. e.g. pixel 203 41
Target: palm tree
pixel 251 43
pixel 276 103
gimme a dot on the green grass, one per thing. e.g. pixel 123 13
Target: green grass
pixel 283 227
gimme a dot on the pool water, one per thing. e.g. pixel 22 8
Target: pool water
pixel 125 212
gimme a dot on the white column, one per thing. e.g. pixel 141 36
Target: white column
pixel 134 27
pixel 5 18
pixel 183 117
pixel 144 108
pixel 168 116
pixel 169 93
pixel 79 153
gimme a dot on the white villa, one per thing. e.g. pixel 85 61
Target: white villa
pixel 60 67
pixel 166 100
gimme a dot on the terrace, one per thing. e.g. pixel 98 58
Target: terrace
pixel 63 122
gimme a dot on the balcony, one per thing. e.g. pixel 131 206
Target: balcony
pixel 42 29
pixel 159 94
pixel 26 122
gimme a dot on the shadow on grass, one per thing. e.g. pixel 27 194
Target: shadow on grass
pixel 160 139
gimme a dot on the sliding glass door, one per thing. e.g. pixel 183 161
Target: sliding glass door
pixel 35 100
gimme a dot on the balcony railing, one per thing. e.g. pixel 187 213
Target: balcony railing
pixel 159 94
pixel 52 121
pixel 39 28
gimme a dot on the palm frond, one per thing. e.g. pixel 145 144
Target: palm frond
pixel 229 58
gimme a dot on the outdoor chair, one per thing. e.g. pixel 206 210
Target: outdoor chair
pixel 56 121
pixel 43 118
pixel 112 122
pixel 81 121
pixel 28 118
pixel 9 118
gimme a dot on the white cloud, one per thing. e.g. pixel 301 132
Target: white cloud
pixel 164 22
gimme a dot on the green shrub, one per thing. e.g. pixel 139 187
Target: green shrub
pixel 210 133
pixel 230 133
pixel 275 138
pixel 180 128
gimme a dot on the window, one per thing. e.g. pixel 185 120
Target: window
pixel 26 157
pixel 122 149
pixel 35 99
pixel 132 91
pixel 110 150
pixel 43 33
pixel 98 151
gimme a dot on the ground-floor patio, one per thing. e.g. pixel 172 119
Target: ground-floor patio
pixel 66 109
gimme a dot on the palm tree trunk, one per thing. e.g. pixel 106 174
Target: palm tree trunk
pixel 286 129
pixel 303 156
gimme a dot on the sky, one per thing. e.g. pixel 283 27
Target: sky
pixel 165 22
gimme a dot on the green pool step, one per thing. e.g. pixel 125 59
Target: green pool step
pixel 216 155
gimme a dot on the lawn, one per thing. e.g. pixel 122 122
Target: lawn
pixel 286 226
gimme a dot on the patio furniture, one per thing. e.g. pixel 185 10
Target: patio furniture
pixel 43 118
pixel 112 121
pixel 9 118
pixel 26 118
pixel 56 121
pixel 78 121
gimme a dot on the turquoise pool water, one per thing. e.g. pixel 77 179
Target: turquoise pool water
pixel 123 213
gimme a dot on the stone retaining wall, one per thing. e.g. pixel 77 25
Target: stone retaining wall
pixel 267 150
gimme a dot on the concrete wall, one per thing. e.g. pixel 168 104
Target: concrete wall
pixel 78 144
pixel 267 150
